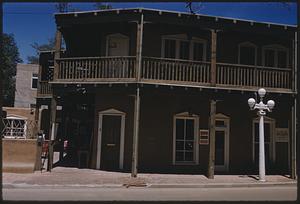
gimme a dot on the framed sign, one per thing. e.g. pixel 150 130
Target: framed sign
pixel 282 135
pixel 203 137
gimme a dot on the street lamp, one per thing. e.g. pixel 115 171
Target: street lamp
pixel 262 108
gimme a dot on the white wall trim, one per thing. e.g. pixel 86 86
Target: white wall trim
pixel 112 112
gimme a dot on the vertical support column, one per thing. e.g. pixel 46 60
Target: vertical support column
pixel 293 142
pixel 212 132
pixel 58 39
pixel 213 65
pixel 135 134
pixel 52 132
pixel 139 45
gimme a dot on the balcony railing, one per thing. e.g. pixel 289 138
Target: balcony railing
pixel 44 89
pixel 175 71
pixel 253 76
pixel 96 69
pixel 170 71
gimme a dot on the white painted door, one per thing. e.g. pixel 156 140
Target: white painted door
pixel 117 45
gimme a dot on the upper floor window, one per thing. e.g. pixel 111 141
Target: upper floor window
pixel 247 53
pixel 275 56
pixel 34 81
pixel 180 47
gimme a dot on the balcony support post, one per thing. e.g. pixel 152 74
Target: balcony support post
pixel 135 133
pixel 58 40
pixel 52 132
pixel 213 68
pixel 212 132
pixel 139 46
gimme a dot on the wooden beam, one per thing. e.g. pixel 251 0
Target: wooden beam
pixel 139 46
pixel 212 132
pixel 213 67
pixel 135 134
pixel 58 39
pixel 52 132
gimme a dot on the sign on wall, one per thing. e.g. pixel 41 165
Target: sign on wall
pixel 282 135
pixel 203 137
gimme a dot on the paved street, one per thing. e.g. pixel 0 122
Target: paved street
pixel 276 193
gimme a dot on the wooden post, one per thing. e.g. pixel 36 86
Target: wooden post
pixel 135 134
pixel 58 39
pixel 139 45
pixel 293 142
pixel 213 66
pixel 52 132
pixel 212 132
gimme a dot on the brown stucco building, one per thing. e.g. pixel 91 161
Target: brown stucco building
pixel 146 90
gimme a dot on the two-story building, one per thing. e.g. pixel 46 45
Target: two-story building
pixel 145 90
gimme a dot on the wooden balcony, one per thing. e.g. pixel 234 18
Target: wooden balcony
pixel 44 89
pixel 97 69
pixel 171 72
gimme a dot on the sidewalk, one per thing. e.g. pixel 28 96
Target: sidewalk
pixel 73 177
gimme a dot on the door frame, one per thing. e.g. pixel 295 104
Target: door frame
pixel 117 35
pixel 111 112
pixel 226 129
pixel 272 123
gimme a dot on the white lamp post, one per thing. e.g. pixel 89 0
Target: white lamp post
pixel 261 107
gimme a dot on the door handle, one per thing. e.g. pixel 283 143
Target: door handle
pixel 110 145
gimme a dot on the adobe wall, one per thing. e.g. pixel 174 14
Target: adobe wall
pixel 19 156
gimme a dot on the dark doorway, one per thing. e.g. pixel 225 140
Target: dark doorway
pixel 110 147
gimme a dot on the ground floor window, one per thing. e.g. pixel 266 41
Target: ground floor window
pixel 14 127
pixel 185 140
pixel 269 141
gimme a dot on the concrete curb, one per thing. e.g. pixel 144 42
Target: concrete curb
pixel 222 185
pixel 210 185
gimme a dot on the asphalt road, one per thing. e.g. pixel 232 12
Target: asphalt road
pixel 274 193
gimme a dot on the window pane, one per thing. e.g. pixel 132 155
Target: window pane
pixel 189 156
pixel 247 55
pixel 282 59
pixel 170 48
pixel 179 129
pixel 179 145
pixel 34 83
pixel 198 51
pixel 189 129
pixel 270 58
pixel 184 50
pixel 179 156
pixel 189 145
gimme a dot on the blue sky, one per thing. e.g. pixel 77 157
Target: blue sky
pixel 34 22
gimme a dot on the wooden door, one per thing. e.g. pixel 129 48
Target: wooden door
pixel 110 147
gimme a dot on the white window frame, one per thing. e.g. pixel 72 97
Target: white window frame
pixel 183 37
pixel 13 117
pixel 247 44
pixel 32 78
pixel 272 151
pixel 186 115
pixel 275 48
